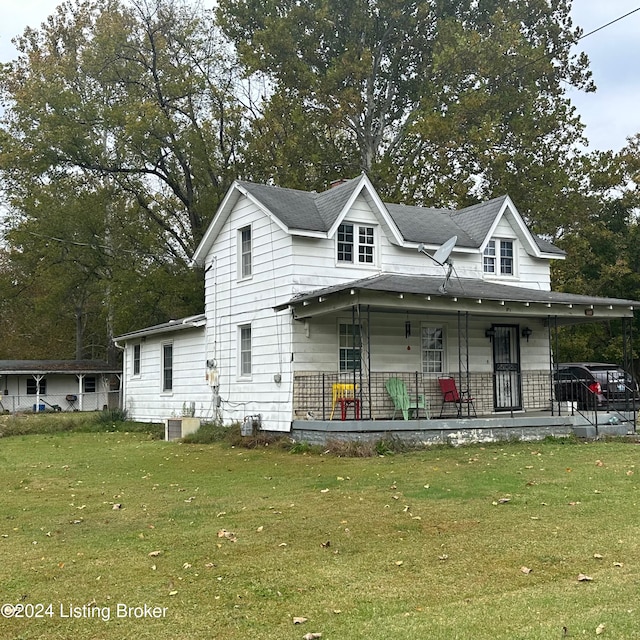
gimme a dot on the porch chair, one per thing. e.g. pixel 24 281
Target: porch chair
pixel 344 394
pixel 402 401
pixel 450 395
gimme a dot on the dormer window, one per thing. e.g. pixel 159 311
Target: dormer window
pixel 356 243
pixel 498 258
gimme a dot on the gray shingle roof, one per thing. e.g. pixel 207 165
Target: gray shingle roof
pixel 312 211
pixel 462 288
pixel 56 366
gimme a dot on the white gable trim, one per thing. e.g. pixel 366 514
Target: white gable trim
pixel 225 208
pixel 521 230
pixel 235 192
pixel 379 210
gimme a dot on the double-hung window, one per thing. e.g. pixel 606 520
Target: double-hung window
pixel 433 360
pixel 136 359
pixel 167 367
pixel 244 333
pixel 356 244
pixel 89 384
pixel 245 266
pixel 498 258
pixel 350 347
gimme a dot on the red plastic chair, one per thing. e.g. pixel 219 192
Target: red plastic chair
pixel 450 395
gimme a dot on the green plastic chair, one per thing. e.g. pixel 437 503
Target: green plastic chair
pixel 397 389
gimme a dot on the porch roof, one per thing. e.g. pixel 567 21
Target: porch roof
pixel 423 292
pixel 40 367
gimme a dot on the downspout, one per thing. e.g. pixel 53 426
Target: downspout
pixel 122 377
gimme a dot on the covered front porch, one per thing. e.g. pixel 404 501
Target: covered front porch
pixel 495 342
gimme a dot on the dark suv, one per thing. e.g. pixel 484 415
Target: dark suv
pixel 595 384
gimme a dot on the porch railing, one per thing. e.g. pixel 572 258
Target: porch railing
pixel 313 393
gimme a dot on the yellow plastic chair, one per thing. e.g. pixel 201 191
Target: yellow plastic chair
pixel 345 394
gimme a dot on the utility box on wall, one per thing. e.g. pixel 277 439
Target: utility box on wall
pixel 176 428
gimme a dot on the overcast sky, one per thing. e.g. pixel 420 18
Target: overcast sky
pixel 611 114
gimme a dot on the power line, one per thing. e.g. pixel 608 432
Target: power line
pixel 604 26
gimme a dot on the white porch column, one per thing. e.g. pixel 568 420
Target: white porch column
pixel 80 390
pixel 38 379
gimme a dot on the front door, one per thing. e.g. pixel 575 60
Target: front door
pixel 507 392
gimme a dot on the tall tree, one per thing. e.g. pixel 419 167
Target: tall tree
pixel 443 102
pixel 603 249
pixel 141 93
pixel 118 141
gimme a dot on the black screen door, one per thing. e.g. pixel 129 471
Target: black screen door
pixel 507 393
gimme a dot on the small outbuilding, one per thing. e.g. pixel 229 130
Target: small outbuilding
pixel 58 385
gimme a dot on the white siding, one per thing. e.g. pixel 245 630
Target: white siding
pixel 231 302
pixel 315 343
pixel 144 398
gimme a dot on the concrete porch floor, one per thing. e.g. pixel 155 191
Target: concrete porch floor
pixel 458 431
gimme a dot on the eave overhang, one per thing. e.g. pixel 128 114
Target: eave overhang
pixel 192 322
pixel 390 292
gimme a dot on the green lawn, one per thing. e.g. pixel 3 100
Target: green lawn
pixel 232 544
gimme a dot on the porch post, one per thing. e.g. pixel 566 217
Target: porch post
pixel 627 354
pixel 369 357
pixel 80 377
pixel 38 379
pixel 463 360
pixel 353 344
pixel 554 356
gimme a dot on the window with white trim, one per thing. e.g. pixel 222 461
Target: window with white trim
pixel 498 258
pixel 356 243
pixel 89 384
pixel 433 354
pixel 245 262
pixel 167 366
pixel 350 347
pixel 136 359
pixel 244 336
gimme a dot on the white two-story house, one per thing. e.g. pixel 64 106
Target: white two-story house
pixel 308 291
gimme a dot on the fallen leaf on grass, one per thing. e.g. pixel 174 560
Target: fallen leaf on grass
pixel 598 556
pixel 399 563
pixel 311 636
pixel 526 570
pixel 618 564
pixel 326 544
pixel 600 629
pixel 299 620
pixel 599 463
pixel 116 506
pixel 173 593
pixel 324 490
pixel 583 578
pixel 155 554
pixel 228 535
